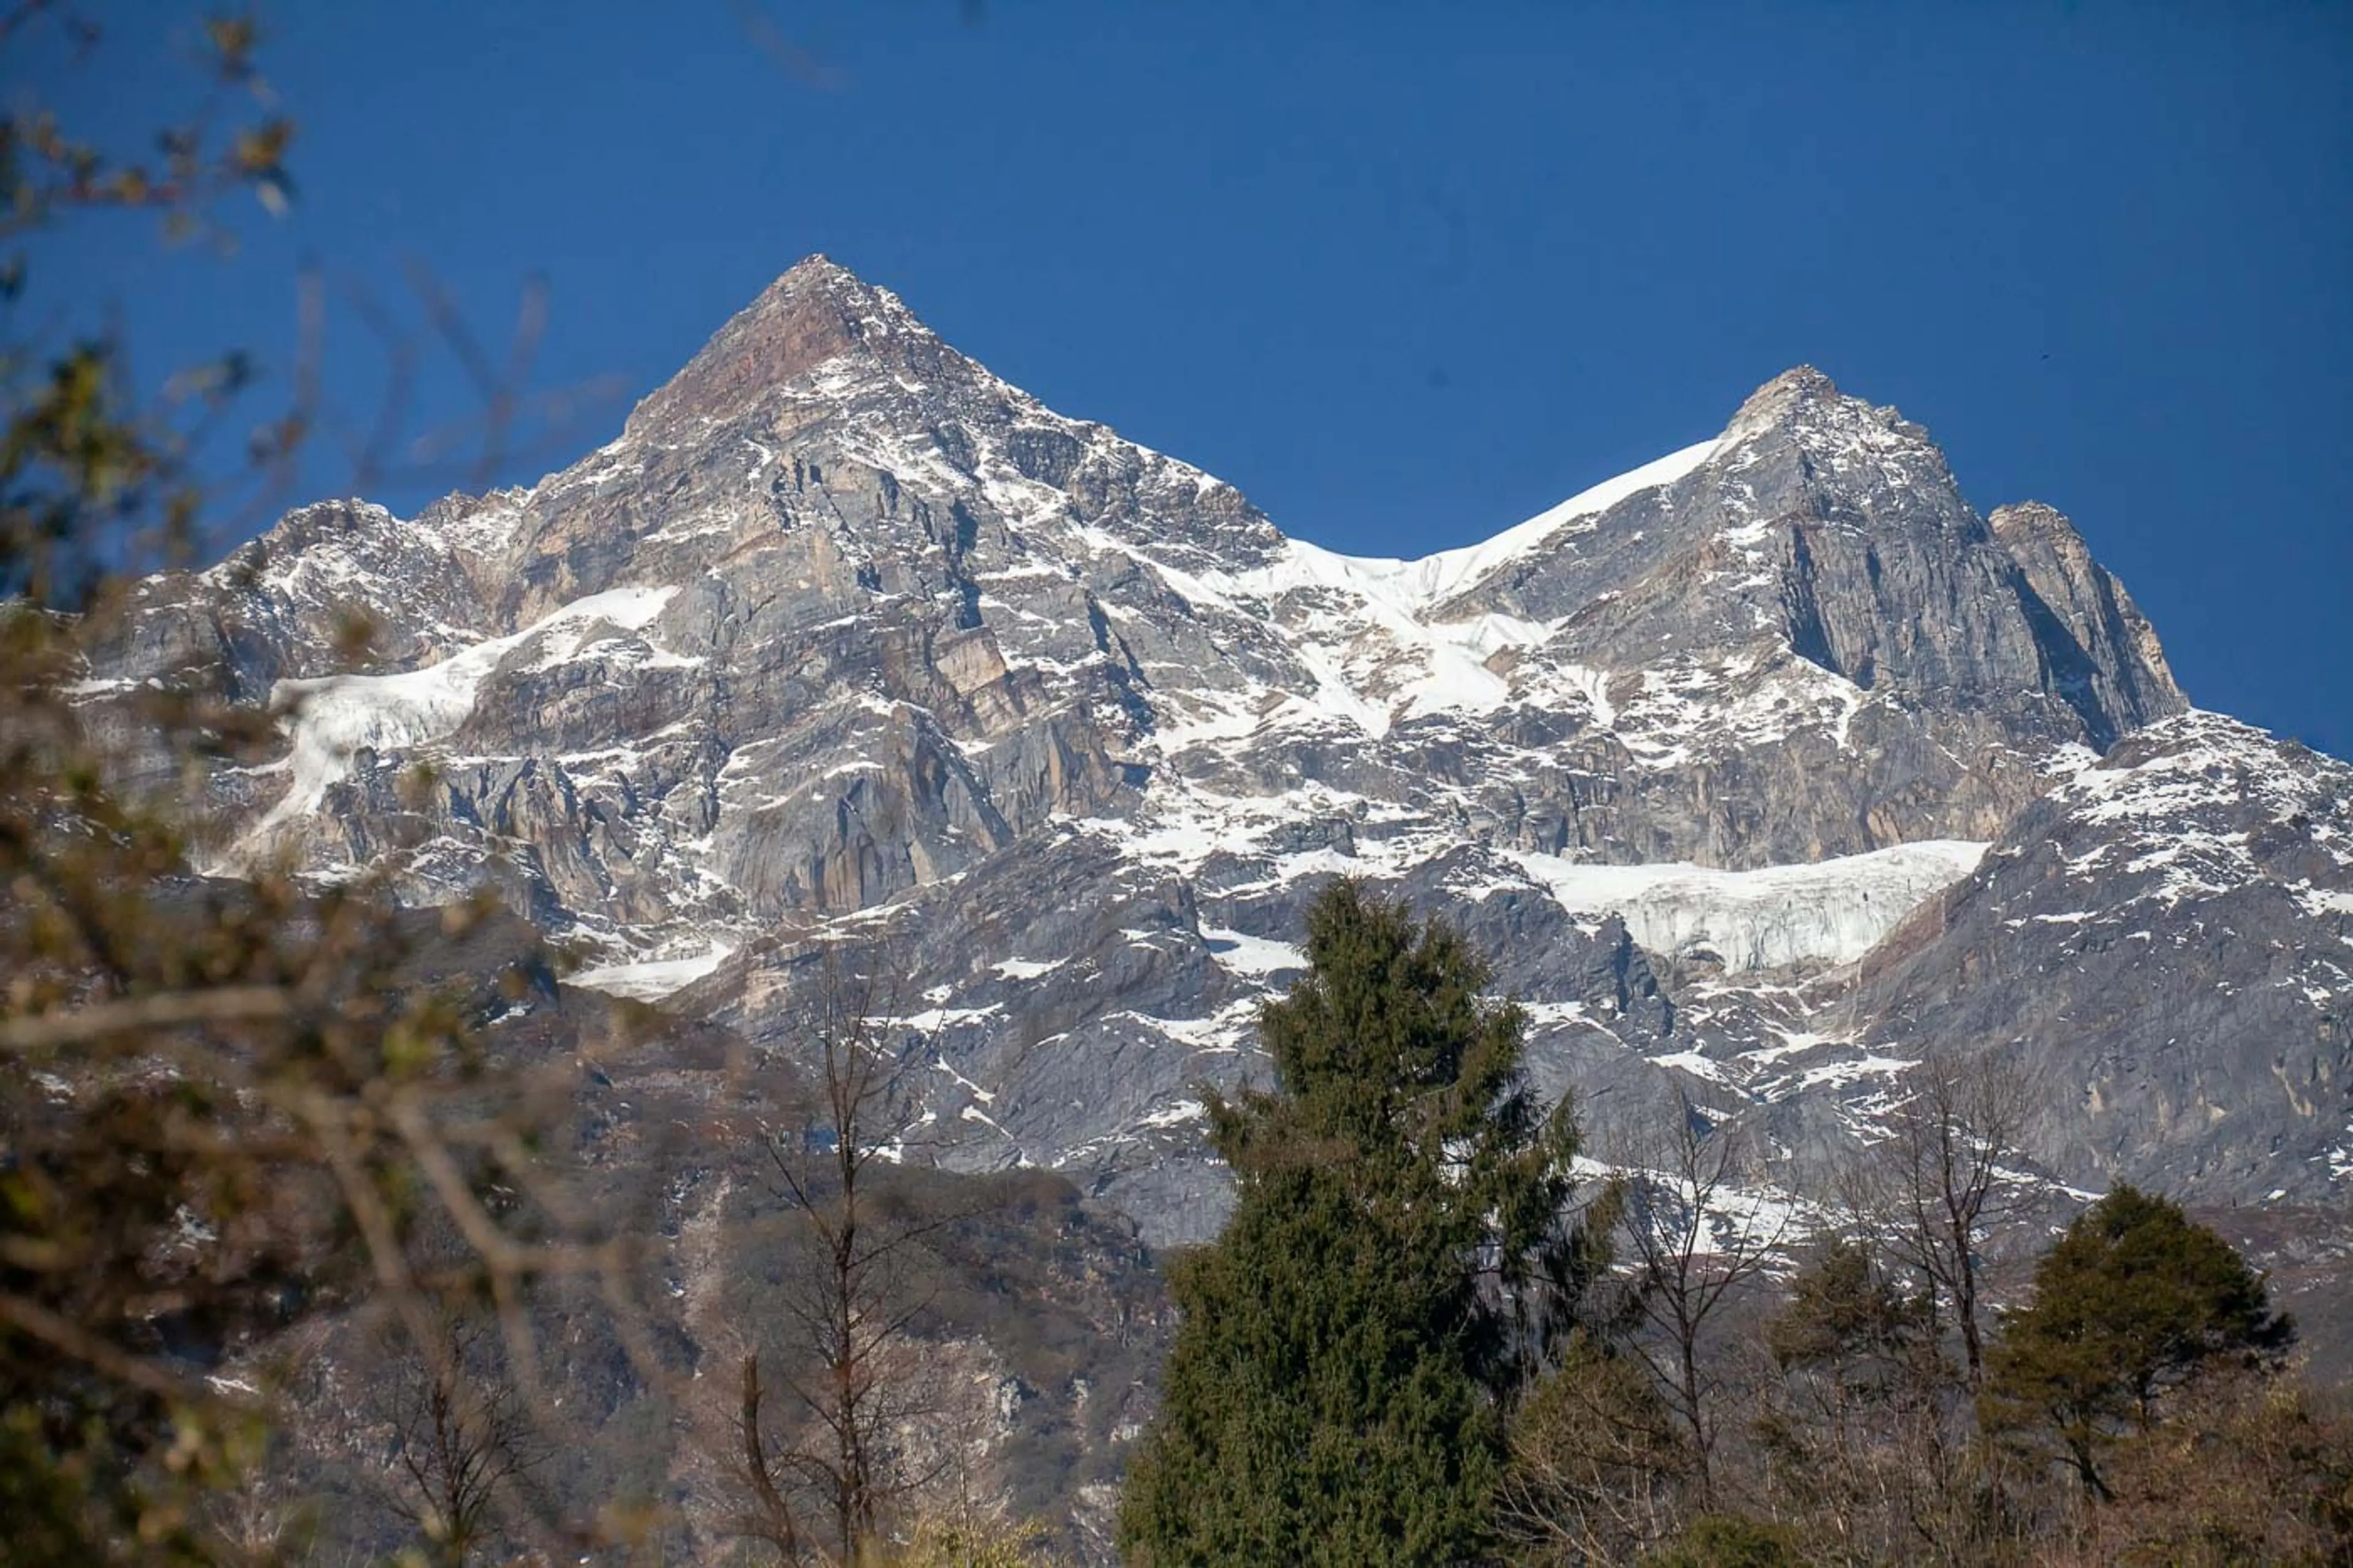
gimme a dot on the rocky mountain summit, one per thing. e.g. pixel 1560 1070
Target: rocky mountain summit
pixel 1762 769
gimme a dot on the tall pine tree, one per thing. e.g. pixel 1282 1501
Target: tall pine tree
pixel 1395 1258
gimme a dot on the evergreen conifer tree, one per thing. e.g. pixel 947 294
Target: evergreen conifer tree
pixel 2136 1298
pixel 1395 1259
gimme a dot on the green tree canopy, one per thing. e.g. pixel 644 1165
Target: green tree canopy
pixel 1846 1318
pixel 1333 1392
pixel 2136 1298
pixel 1728 1540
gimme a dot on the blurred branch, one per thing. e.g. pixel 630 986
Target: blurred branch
pixel 229 1005
pixel 796 60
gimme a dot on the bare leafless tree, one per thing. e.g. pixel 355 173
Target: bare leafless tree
pixel 1858 1431
pixel 460 1432
pixel 1598 1461
pixel 767 1514
pixel 1934 1186
pixel 857 1281
pixel 1698 1223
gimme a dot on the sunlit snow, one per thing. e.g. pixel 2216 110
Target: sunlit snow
pixel 653 979
pixel 335 717
pixel 1832 910
pixel 1415 588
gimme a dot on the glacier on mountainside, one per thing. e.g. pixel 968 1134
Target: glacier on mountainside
pixel 1832 910
pixel 651 979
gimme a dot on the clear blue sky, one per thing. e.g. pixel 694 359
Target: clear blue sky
pixel 1406 273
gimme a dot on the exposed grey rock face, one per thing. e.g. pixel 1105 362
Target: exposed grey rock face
pixel 2164 943
pixel 2102 651
pixel 1823 536
pixel 845 637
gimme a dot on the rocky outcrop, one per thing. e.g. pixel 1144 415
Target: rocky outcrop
pixel 2164 944
pixel 2099 650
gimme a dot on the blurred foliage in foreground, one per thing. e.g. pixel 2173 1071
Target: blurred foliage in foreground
pixel 225 1106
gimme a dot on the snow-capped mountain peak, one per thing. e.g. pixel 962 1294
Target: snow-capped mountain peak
pixel 845 632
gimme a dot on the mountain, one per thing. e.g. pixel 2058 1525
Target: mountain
pixel 1762 769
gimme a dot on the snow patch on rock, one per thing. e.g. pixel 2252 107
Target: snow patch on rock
pixel 334 718
pixel 1415 588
